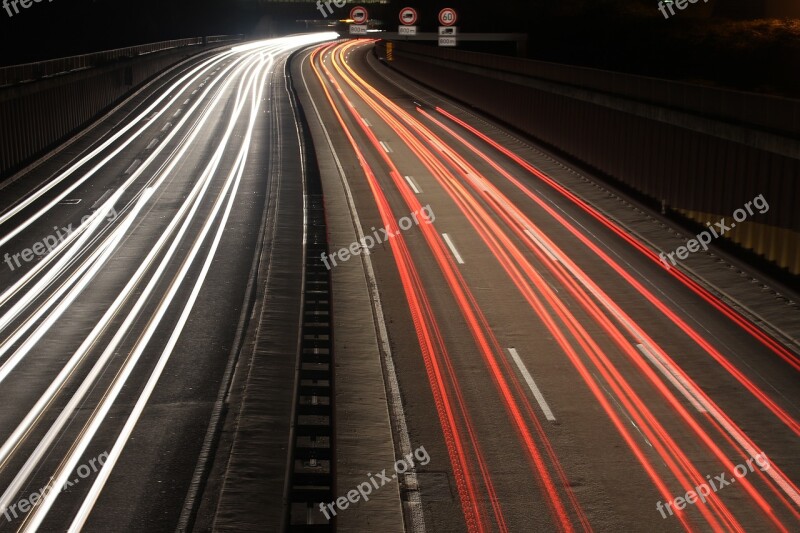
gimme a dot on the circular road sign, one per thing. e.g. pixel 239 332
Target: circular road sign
pixel 408 16
pixel 447 16
pixel 359 14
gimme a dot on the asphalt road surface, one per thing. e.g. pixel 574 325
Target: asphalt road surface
pixel 126 257
pixel 521 341
pixel 558 375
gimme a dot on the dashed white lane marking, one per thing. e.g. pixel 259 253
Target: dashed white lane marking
pixel 413 184
pixel 453 248
pixel 134 166
pixel 532 385
pixel 676 379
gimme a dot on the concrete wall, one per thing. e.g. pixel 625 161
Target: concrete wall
pixel 37 116
pixel 703 152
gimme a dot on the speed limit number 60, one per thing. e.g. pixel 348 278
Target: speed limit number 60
pixel 447 17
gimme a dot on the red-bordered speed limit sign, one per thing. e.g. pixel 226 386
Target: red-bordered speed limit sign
pixel 408 16
pixel 447 17
pixel 359 14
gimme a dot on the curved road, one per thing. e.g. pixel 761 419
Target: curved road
pixel 126 260
pixel 558 375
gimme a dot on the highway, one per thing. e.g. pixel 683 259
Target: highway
pixel 126 260
pixel 509 352
pixel 560 377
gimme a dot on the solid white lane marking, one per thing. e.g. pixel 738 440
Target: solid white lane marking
pixel 532 385
pixel 677 380
pixel 413 184
pixel 541 244
pixel 453 248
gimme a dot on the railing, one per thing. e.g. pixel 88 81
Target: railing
pixel 52 67
pixel 223 38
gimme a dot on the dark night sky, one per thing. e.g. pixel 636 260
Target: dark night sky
pixel 708 41
pixel 61 27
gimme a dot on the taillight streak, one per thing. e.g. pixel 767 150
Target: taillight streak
pixel 721 306
pixel 474 317
pixel 430 344
pixel 519 223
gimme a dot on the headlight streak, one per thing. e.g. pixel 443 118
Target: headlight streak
pixel 32 295
pixel 200 70
pixel 77 281
pixel 11 491
pixel 261 60
pixel 37 515
pixel 234 179
pixel 193 201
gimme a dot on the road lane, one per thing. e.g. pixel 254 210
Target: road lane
pixel 114 344
pixel 539 254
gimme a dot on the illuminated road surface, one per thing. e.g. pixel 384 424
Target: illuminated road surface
pixel 113 346
pixel 559 376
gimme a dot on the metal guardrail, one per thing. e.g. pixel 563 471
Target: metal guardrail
pixel 52 67
pixel 311 476
pixel 223 38
pixel 313 458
